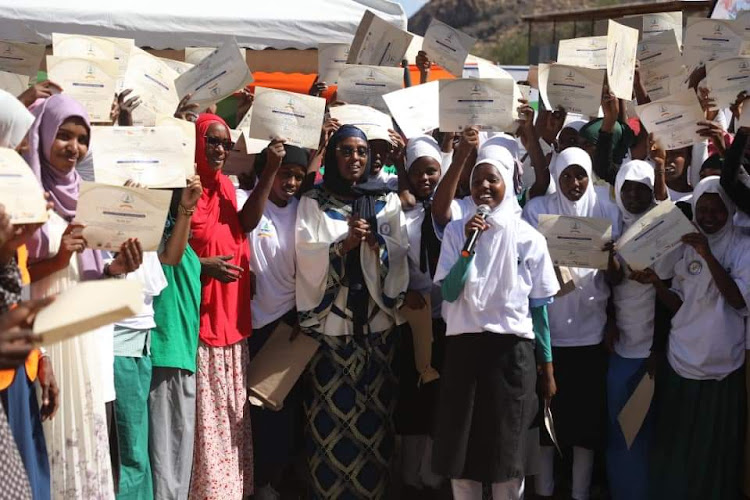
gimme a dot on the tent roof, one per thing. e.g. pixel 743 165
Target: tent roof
pixel 176 24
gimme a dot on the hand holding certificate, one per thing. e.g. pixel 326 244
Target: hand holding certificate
pixel 113 214
pixel 90 81
pixel 673 120
pixel 153 81
pixel 20 191
pixel 378 43
pixel 331 60
pixel 660 61
pixel 156 157
pixel 215 77
pixel 727 78
pixel 487 104
pixel 447 47
pixel 622 46
pixel 654 235
pixel 366 85
pixel 577 90
pixel 415 109
pixel 576 241
pixel 372 122
pixel 286 115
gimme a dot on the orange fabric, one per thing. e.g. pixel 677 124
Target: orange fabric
pixel 22 255
pixel 32 370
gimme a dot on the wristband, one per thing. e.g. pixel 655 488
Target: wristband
pixel 185 211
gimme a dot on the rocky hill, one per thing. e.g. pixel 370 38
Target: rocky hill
pixel 495 23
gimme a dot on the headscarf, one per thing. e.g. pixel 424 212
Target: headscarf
pixel 15 120
pixel 294 156
pixel 585 206
pixel 504 148
pixel 421 146
pixel 500 139
pixel 635 171
pixel 622 137
pixel 216 230
pixel 63 188
pixel 332 179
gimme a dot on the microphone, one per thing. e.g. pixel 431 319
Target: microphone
pixel 471 241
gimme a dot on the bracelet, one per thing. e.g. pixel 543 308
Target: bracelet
pixel 185 211
pixel 338 248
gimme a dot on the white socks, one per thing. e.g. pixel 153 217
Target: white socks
pixel 466 489
pixel 583 467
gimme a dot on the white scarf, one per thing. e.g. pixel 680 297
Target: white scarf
pixel 635 171
pixel 15 120
pixel 421 146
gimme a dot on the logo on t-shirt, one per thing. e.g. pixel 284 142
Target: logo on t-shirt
pixel 265 230
pixel 695 267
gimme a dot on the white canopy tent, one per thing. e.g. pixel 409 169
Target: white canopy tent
pixel 176 24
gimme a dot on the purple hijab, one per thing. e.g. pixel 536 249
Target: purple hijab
pixel 62 187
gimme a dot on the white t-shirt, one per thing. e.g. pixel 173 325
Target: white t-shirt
pixel 708 336
pixel 390 180
pixel 151 276
pixel 273 261
pixel 676 196
pixel 536 279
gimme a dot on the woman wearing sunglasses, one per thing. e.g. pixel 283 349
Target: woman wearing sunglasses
pixel 352 274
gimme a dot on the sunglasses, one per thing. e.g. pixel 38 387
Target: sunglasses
pixel 349 151
pixel 216 142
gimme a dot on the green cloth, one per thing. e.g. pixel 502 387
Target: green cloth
pixel 174 341
pixel 622 137
pixel 132 386
pixel 453 283
pixel 540 322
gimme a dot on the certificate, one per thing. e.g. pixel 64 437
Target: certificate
pixel 372 122
pixel 586 52
pixel 295 117
pixel 622 46
pixel 487 104
pixel 217 76
pixel 239 161
pixel 634 412
pixel 415 109
pixel 65 45
pixel 20 191
pixel 576 241
pixel 366 85
pixel 252 146
pixel 476 67
pixel 153 81
pixel 156 157
pixel 178 66
pixel 711 39
pixel 13 84
pixel 577 90
pixel 194 55
pixel 660 61
pixel 188 137
pixel 21 58
pixel 378 43
pixel 331 60
pixel 659 22
pixel 112 214
pixel 727 78
pixel 654 235
pixel 90 81
pixel 673 119
pixel 447 46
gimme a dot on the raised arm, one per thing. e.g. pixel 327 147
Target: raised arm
pixel 252 211
pixel 446 190
pixel 178 240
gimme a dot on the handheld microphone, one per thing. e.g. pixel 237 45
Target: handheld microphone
pixel 407 74
pixel 471 241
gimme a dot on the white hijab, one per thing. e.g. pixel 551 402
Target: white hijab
pixel 421 146
pixel 635 171
pixel 15 120
pixel 586 205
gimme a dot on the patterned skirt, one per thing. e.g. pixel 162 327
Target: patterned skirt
pixel 350 398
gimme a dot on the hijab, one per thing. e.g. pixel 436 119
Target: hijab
pixel 634 171
pixel 421 146
pixel 62 187
pixel 585 206
pixel 15 120
pixel 216 230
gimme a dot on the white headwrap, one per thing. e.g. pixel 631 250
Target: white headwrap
pixel 500 139
pixel 636 171
pixel 15 120
pixel 421 146
pixel 585 206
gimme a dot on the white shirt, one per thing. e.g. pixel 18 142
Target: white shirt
pixel 390 180
pixel 676 196
pixel 273 261
pixel 708 336
pixel 536 279
pixel 151 276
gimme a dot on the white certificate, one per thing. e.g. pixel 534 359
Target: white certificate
pixel 194 55
pixel 156 157
pixel 673 119
pixel 66 45
pixel 20 191
pixel 217 76
pixel 476 67
pixel 178 66
pixel 21 58
pixel 152 80
pixel 711 39
pixel 295 117
pixel 578 90
pixel 13 84
pixel 188 137
pixel 112 214
pixel 366 85
pixel 654 235
pixel 727 78
pixel 622 46
pixel 378 43
pixel 660 61
pixel 239 161
pixel 487 104
pixel 252 146
pixel 576 241
pixel 586 52
pixel 659 22
pixel 331 60
pixel 415 109
pixel 90 81
pixel 372 122
pixel 447 46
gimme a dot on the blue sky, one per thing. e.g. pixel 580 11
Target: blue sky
pixel 411 6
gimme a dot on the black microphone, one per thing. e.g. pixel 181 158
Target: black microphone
pixel 471 241
pixel 407 73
